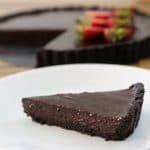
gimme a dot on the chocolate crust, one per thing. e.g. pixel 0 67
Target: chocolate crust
pixel 110 126
pixel 121 53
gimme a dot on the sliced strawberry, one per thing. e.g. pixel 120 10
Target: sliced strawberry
pixel 88 32
pixel 92 32
pixel 99 22
pixel 99 14
pixel 111 23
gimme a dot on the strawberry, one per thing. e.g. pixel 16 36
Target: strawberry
pixel 88 32
pixel 99 22
pixel 117 34
pixel 99 14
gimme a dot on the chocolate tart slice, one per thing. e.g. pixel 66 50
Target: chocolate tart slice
pixel 113 115
pixel 54 29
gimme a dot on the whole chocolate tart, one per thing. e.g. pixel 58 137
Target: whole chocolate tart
pixel 54 28
pixel 113 115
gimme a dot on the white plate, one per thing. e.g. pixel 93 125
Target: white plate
pixel 18 132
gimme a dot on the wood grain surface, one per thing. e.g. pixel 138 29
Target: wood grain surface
pixel 9 6
pixel 8 69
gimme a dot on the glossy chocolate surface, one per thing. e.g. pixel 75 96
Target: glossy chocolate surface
pixel 115 103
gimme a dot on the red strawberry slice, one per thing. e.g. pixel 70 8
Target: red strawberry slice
pixel 99 22
pixel 111 23
pixel 88 32
pixel 92 32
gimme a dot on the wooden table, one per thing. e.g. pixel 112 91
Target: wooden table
pixel 8 6
pixel 8 69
